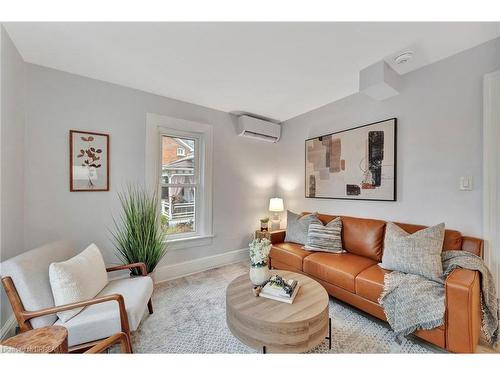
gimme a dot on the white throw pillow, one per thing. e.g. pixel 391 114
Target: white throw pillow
pixel 77 279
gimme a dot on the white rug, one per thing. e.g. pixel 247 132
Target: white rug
pixel 189 317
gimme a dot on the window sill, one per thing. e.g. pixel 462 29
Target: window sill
pixel 195 241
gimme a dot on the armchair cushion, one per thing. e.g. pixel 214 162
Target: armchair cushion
pixel 30 273
pixel 103 320
pixel 77 279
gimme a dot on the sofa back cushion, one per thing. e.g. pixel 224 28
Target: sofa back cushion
pixel 30 274
pixel 325 219
pixel 453 239
pixel 364 237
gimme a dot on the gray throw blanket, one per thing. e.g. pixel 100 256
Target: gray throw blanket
pixel 413 302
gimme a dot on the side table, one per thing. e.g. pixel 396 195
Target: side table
pixel 51 339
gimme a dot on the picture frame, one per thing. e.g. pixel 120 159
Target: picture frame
pixel 88 161
pixel 358 163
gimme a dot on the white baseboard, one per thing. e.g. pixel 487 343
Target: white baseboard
pixel 8 328
pixel 174 271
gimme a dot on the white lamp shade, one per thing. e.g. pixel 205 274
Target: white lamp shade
pixel 276 205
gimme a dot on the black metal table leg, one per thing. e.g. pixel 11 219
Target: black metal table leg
pixel 329 337
pixel 263 350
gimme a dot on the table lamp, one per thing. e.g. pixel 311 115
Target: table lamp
pixel 275 206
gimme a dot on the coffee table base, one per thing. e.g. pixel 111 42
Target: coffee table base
pixel 329 337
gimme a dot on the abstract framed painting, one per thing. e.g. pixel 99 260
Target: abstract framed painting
pixel 88 161
pixel 357 163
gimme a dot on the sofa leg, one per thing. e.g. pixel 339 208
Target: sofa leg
pixel 150 306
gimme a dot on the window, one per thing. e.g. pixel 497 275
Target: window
pixel 179 184
pixel 184 181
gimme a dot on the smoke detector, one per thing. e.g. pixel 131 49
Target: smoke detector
pixel 403 58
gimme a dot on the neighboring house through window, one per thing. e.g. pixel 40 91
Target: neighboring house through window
pixel 179 182
pixel 183 175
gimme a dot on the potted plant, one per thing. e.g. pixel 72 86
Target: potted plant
pixel 139 234
pixel 259 252
pixel 264 224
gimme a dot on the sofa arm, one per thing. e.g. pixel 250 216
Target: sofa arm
pixel 463 310
pixel 277 236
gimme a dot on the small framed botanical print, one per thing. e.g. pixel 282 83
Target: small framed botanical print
pixel 88 161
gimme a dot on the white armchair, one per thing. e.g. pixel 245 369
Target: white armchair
pixel 119 307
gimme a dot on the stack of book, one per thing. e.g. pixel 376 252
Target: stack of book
pixel 280 289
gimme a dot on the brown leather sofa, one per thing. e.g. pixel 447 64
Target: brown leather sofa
pixel 355 277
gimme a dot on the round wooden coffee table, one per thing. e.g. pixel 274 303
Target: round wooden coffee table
pixel 279 327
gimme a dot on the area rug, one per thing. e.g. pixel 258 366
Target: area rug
pixel 189 317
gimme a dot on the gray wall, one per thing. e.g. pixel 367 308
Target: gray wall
pixel 439 115
pixel 12 156
pixel 58 102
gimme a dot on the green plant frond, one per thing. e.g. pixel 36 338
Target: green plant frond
pixel 138 235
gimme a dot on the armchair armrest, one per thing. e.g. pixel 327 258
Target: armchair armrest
pixel 277 236
pixel 463 310
pixel 141 266
pixel 119 337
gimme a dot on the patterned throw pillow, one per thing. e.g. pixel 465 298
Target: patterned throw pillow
pixel 418 253
pixel 297 226
pixel 325 237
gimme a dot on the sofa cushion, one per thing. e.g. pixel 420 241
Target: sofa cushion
pixel 338 269
pixel 418 253
pixel 370 282
pixel 30 274
pixel 364 237
pixel 289 253
pixel 298 225
pixel 103 319
pixel 77 279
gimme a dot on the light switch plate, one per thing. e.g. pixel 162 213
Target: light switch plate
pixel 466 183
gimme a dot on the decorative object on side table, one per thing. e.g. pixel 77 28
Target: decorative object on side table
pixel 276 206
pixel 259 252
pixel 88 161
pixel 264 224
pixel 140 236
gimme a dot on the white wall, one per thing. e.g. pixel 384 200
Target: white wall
pixel 439 115
pixel 58 102
pixel 12 156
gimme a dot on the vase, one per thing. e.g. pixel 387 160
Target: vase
pixel 259 274
pixel 153 276
pixel 264 226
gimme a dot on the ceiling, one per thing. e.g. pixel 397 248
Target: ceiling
pixel 276 70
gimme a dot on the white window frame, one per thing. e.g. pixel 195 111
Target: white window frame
pixel 156 127
pixel 182 151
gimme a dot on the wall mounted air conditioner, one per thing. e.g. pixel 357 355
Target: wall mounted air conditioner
pixel 256 128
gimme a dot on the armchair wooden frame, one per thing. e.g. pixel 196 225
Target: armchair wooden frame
pixel 118 338
pixel 23 317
